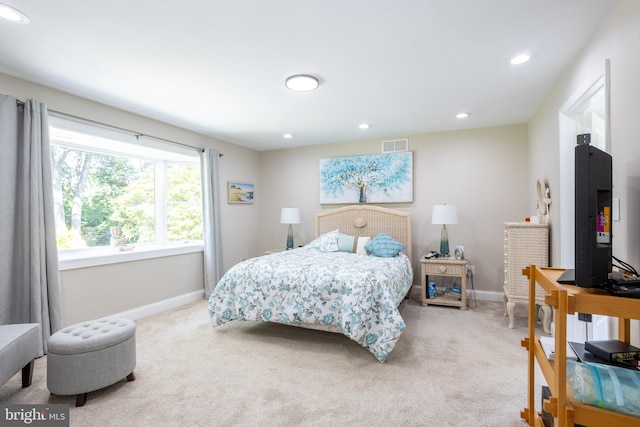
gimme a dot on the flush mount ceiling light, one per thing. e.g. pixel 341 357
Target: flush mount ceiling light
pixel 12 14
pixel 287 136
pixel 364 125
pixel 520 59
pixel 462 115
pixel 302 82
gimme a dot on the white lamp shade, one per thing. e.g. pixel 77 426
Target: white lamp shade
pixel 290 216
pixel 444 214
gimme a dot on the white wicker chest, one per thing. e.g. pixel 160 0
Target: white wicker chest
pixel 525 243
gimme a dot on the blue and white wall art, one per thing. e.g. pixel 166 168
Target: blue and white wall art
pixel 374 178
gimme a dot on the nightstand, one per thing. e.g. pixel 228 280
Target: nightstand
pixel 273 251
pixel 447 267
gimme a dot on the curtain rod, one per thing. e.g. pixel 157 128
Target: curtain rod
pixel 136 134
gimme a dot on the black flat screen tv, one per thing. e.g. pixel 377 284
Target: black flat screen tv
pixel 593 233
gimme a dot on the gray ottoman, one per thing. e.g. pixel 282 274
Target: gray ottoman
pixel 90 356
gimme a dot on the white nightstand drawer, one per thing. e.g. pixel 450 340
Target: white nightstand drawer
pixel 443 268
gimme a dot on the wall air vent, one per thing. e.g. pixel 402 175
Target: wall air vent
pixel 395 145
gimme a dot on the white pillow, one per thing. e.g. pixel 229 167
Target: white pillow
pixel 362 242
pixel 327 242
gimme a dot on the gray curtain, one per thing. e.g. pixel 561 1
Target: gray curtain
pixel 29 276
pixel 211 219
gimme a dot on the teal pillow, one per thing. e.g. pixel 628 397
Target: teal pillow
pixel 384 246
pixel 346 243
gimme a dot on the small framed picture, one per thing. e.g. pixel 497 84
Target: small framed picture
pixel 239 192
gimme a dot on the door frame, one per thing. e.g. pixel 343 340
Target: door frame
pixel 568 130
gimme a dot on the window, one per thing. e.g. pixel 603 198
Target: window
pixel 113 190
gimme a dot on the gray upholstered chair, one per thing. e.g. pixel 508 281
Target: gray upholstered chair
pixel 19 346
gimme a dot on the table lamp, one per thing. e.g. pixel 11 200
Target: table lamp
pixel 290 216
pixel 444 214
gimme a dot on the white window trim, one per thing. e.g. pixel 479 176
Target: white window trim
pixel 156 151
pixel 92 257
pixel 117 142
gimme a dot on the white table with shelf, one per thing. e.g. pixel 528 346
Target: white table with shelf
pixel 447 267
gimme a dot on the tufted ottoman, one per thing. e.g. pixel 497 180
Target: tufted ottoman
pixel 89 356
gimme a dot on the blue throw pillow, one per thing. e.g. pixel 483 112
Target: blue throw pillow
pixel 384 246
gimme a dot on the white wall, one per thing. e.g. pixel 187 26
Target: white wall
pixel 489 173
pixel 95 292
pixel 90 293
pixel 617 39
pixel 483 171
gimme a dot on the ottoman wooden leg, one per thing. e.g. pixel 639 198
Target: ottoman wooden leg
pixel 131 377
pixel 81 399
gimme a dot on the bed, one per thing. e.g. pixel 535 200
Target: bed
pixel 329 284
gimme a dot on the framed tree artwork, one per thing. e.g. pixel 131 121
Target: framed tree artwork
pixel 374 178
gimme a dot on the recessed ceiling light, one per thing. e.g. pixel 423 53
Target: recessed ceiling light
pixel 12 14
pixel 364 125
pixel 520 59
pixel 287 136
pixel 462 115
pixel 302 82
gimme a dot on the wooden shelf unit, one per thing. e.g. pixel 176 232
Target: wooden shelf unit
pixel 570 299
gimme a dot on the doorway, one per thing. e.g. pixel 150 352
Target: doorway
pixel 587 111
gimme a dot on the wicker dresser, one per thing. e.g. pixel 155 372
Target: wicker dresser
pixel 524 244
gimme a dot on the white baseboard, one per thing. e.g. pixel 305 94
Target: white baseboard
pixel 160 306
pixel 480 295
pixel 490 296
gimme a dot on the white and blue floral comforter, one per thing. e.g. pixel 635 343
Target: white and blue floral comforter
pixel 358 293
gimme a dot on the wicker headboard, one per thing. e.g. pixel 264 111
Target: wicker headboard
pixel 366 220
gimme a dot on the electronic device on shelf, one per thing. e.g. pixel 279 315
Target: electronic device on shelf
pixel 624 287
pixel 432 254
pixel 593 201
pixel 593 224
pixel 621 286
pixel 568 277
pixel 587 356
pixel 613 350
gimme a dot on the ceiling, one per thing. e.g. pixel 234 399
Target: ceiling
pixel 218 67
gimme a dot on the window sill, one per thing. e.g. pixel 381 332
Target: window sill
pixel 72 259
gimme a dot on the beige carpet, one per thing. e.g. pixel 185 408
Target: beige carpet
pixel 449 368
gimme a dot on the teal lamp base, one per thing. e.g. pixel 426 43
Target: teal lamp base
pixel 444 242
pixel 290 238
